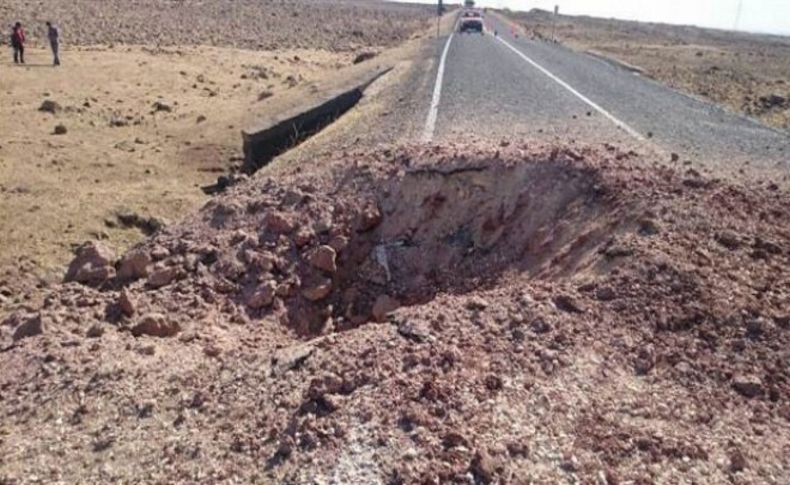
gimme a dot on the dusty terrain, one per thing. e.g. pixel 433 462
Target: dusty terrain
pixel 746 73
pixel 428 314
pixel 338 25
pixel 147 125
pixel 517 312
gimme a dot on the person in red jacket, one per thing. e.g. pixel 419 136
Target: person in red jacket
pixel 18 43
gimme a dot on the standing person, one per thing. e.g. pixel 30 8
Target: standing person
pixel 18 43
pixel 54 42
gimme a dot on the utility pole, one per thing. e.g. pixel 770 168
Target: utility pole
pixel 738 15
pixel 439 11
pixel 554 24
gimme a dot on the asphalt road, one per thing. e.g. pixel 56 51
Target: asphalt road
pixel 508 86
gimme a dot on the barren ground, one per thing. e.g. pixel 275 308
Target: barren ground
pixel 518 312
pixel 431 314
pixel 746 73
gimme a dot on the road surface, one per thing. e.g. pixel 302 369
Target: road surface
pixel 471 86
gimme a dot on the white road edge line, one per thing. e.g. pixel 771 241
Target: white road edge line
pixel 430 122
pixel 579 95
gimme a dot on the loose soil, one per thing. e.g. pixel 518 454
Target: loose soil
pixel 422 314
pixel 746 73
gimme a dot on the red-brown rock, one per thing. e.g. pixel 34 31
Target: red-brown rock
pixel 156 325
pixel 323 258
pixel 92 265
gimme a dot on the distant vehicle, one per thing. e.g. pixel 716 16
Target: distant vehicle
pixel 471 21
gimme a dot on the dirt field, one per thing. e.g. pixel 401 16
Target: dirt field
pixel 145 128
pixel 343 25
pixel 147 125
pixel 521 313
pixel 746 73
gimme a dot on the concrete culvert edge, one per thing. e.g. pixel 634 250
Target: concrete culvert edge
pixel 275 136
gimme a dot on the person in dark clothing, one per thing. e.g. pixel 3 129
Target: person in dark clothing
pixel 54 42
pixel 18 43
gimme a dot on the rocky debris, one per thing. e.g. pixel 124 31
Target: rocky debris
pixel 748 385
pixel 364 56
pixel 223 183
pixel 649 227
pixel 479 372
pixel 93 264
pixel 95 331
pixel 728 239
pixel 605 293
pixel 318 291
pixel 540 325
pixel 483 467
pixel 263 295
pixel 60 129
pixel 568 303
pixel 518 449
pixel 767 246
pixel 127 304
pixel 159 107
pixel 416 331
pixel 291 358
pixel 771 101
pixel 148 225
pixel 162 276
pixel 645 360
pixel 383 306
pixel 338 243
pixel 134 265
pixel 279 223
pixel 303 237
pixel 155 325
pixel 323 258
pixel 738 461
pixel 118 122
pixel 477 303
pixel 369 218
pixel 30 327
pixel 49 106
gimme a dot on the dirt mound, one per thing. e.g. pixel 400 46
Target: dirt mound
pixel 553 313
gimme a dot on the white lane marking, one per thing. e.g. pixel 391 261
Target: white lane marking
pixel 579 95
pixel 430 122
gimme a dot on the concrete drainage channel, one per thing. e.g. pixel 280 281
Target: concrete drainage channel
pixel 278 134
